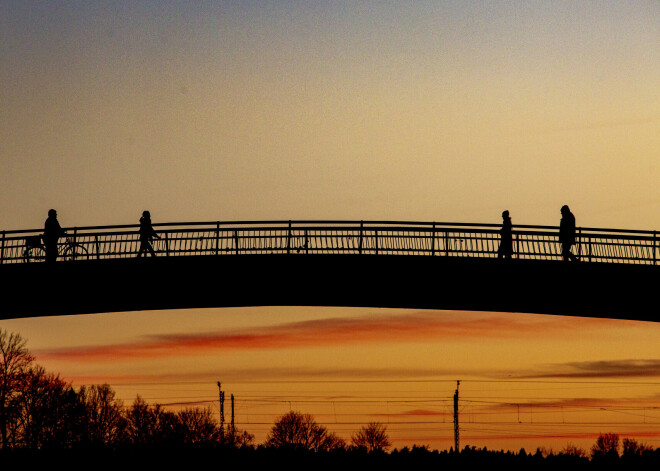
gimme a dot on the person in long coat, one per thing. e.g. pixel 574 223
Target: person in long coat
pixel 147 234
pixel 567 234
pixel 506 237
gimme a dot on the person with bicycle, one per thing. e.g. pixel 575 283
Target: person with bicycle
pixel 147 233
pixel 52 232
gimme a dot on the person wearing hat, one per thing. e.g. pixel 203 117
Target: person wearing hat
pixel 506 238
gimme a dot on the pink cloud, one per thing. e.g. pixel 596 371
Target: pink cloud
pixel 421 326
pixel 576 403
pixel 648 368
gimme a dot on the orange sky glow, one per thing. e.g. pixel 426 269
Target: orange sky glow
pixel 408 111
pixel 526 380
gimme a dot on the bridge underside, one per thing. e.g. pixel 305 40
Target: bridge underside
pixel 419 282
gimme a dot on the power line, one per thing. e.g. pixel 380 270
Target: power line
pixel 367 381
pixel 257 409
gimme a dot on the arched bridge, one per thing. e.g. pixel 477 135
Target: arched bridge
pixel 331 263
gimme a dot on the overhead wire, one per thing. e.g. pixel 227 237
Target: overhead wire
pixel 254 407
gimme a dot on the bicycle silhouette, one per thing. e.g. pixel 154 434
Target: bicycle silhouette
pixel 69 250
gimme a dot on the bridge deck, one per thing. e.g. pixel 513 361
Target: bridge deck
pixel 422 282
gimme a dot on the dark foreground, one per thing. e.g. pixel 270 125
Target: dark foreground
pixel 417 458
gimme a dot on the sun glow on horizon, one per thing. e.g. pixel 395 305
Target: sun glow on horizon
pixel 348 366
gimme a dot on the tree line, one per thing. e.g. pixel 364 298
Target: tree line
pixel 40 411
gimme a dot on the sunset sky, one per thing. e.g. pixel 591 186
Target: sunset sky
pixel 425 111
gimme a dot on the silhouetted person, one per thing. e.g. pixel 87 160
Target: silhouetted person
pixel 52 232
pixel 567 234
pixel 147 233
pixel 506 238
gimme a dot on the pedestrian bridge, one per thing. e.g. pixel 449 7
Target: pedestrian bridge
pixel 419 265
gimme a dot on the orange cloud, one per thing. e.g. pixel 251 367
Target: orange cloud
pixel 576 403
pixel 603 369
pixel 416 327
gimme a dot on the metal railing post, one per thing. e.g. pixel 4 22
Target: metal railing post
pixel 361 237
pixel 167 244
pixel 579 254
pixel 376 236
pixel 288 239
pixel 217 237
pixel 654 248
pixel 433 240
pixel 516 252
pixel 73 246
pixel 2 251
pixel 96 247
pixel 446 243
pixel 236 241
pixel 590 248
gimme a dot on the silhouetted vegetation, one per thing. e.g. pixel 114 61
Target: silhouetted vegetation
pixel 300 431
pixel 372 437
pixel 40 411
pixel 44 417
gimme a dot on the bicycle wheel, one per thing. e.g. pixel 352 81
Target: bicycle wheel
pixel 34 254
pixel 75 252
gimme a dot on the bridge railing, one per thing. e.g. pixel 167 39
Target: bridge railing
pixel 333 237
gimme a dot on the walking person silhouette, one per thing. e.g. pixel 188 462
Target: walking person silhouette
pixel 506 238
pixel 52 232
pixel 567 234
pixel 147 233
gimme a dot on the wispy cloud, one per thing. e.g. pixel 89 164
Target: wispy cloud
pixel 415 327
pixel 601 369
pixel 583 404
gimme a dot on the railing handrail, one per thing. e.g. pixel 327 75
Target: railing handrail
pixel 437 226
pixel 334 236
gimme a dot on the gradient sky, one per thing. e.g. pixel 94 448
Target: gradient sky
pixel 433 111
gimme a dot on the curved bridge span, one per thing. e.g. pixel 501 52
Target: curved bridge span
pixel 338 263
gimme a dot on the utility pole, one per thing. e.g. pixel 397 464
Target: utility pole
pixel 456 449
pixel 221 397
pixel 232 416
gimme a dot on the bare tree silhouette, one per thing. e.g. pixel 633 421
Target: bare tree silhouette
pixel 104 421
pixel 146 425
pixel 15 361
pixel 198 426
pixel 296 430
pixel 632 448
pixel 573 450
pixel 49 413
pixel 607 445
pixel 237 438
pixel 372 436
